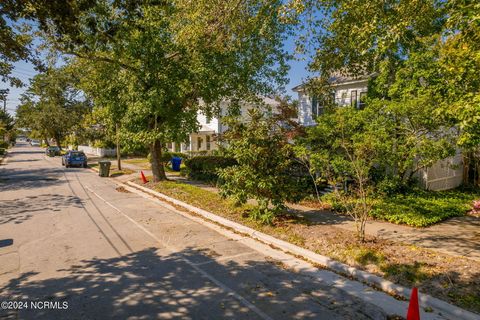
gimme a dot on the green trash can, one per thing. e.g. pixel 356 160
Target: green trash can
pixel 104 168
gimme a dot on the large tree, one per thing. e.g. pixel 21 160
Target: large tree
pixel 19 19
pixel 103 84
pixel 52 107
pixel 177 57
pixel 422 56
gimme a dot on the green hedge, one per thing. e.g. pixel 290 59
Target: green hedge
pixel 2 151
pixel 205 167
pixel 4 144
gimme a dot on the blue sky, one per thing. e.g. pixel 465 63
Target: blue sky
pixel 298 72
pixel 23 71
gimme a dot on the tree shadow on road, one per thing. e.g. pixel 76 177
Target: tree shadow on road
pixel 149 285
pixel 22 209
pixel 25 179
pixel 25 151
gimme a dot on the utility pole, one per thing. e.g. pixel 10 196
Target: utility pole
pixel 119 162
pixel 3 94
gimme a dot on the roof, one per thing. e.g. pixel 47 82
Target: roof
pixel 339 79
pixel 206 129
pixel 270 101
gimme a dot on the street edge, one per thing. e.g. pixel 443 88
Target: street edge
pixel 426 301
pixel 4 159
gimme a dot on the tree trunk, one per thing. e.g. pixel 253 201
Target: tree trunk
pixel 119 162
pixel 46 141
pixel 466 168
pixel 57 140
pixel 158 169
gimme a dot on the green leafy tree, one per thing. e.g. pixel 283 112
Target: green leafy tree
pixel 7 126
pixel 422 57
pixel 52 107
pixel 177 57
pixel 264 156
pixel 102 83
pixel 343 154
pixel 21 19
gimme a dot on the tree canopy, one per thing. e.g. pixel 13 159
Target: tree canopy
pixel 21 19
pixel 422 59
pixel 173 58
pixel 52 107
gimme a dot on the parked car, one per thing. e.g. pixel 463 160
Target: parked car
pixel 74 158
pixel 35 143
pixel 52 151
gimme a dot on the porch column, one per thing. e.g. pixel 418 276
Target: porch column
pixel 192 144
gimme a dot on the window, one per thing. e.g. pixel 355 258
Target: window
pixel 208 119
pixel 199 143
pixel 353 98
pixel 363 96
pixel 208 142
pixel 344 97
pixel 333 97
pixel 314 107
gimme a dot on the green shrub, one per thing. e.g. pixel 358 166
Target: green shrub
pixel 265 169
pixel 205 168
pixel 421 208
pixel 416 208
pixel 300 179
pixel 393 185
pixel 4 144
pixel 2 151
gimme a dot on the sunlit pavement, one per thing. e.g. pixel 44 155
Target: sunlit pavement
pixel 73 247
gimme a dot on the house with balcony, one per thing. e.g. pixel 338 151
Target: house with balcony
pixel 352 91
pixel 205 140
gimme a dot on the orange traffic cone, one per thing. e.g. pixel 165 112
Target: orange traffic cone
pixel 144 180
pixel 413 309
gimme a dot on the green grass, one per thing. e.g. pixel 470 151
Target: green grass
pixel 374 257
pixel 423 208
pixel 141 162
pixel 201 198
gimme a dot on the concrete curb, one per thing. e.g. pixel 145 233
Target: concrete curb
pixel 425 300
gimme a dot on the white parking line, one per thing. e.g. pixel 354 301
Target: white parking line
pixel 230 292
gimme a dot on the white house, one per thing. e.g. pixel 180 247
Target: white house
pixel 344 91
pixel 443 175
pixel 205 139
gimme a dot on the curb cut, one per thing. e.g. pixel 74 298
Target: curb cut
pixel 425 300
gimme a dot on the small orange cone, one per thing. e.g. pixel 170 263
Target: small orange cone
pixel 413 309
pixel 144 180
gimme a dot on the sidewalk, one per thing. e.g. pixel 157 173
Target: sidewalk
pixel 458 236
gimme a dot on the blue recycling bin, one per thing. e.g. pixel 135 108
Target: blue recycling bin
pixel 176 162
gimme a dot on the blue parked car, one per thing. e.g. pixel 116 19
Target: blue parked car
pixel 74 158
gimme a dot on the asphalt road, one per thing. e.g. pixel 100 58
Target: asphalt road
pixel 73 247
